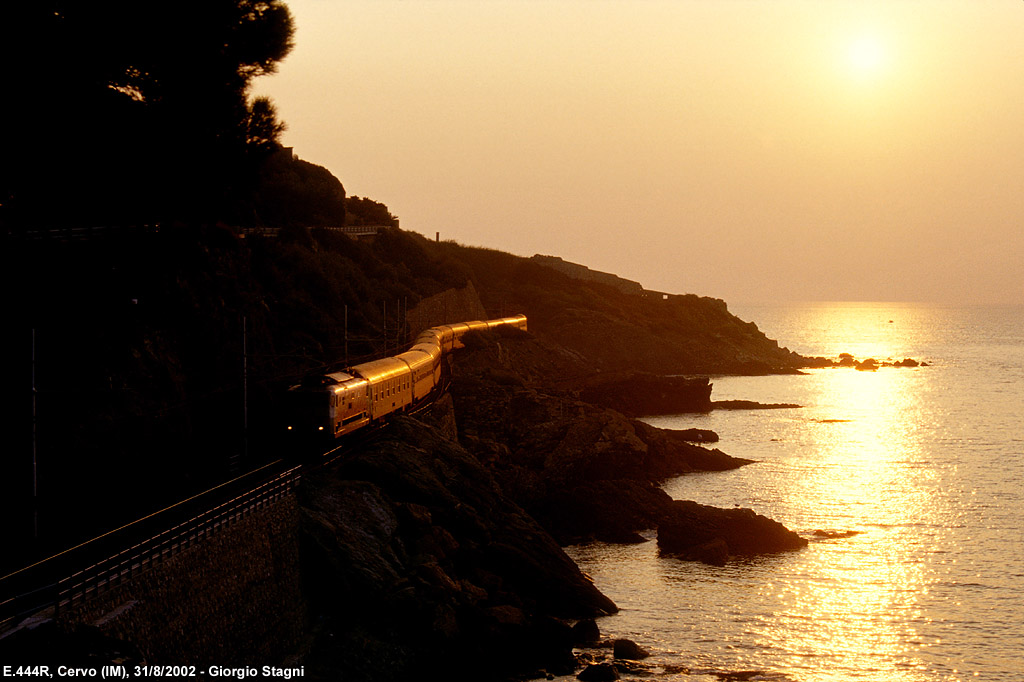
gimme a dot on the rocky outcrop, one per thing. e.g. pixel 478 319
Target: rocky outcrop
pixel 865 365
pixel 710 534
pixel 582 471
pixel 641 394
pixel 599 672
pixel 419 559
pixel 629 650
pixel 674 452
pixel 751 405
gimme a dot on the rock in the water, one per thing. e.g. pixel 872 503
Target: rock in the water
pixel 835 534
pixel 598 672
pixel 751 405
pixel 714 553
pixel 739 675
pixel 585 632
pixel 689 527
pixel 628 649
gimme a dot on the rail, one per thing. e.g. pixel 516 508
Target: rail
pixel 121 567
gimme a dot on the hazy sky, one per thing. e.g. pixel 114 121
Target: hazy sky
pixel 751 151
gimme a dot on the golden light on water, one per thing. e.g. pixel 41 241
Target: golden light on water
pixel 860 597
pixel 866 330
pixel 917 575
pixel 868 592
pixel 854 464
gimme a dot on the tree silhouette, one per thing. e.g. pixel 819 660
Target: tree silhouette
pixel 132 112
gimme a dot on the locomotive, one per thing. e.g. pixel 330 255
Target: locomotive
pixel 326 407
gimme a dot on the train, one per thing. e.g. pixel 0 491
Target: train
pixel 325 407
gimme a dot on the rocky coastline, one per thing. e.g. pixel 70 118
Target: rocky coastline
pixel 436 550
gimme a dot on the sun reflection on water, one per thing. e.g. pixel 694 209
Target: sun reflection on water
pixel 865 330
pixel 857 597
pixel 855 465
pixel 912 474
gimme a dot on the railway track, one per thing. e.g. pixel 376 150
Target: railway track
pixel 40 590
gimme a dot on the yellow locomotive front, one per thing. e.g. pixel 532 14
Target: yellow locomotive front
pixel 326 407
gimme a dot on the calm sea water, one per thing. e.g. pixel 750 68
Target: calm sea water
pixel 925 466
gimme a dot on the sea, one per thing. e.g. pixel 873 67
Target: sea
pixel 908 483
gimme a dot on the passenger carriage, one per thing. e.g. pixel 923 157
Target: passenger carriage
pixel 424 361
pixel 390 385
pixel 332 405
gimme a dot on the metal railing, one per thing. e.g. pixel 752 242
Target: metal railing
pixel 121 567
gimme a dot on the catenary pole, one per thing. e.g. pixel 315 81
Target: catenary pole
pixel 35 449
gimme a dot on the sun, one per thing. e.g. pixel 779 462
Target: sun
pixel 866 55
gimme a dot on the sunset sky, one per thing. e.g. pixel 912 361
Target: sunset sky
pixel 751 151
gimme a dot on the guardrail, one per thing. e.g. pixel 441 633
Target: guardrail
pixel 123 566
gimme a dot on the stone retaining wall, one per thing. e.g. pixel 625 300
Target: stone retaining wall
pixel 234 599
